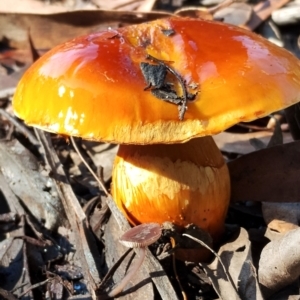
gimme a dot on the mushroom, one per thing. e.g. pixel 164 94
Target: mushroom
pixel 161 90
pixel 138 237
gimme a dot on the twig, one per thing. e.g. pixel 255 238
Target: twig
pixel 20 127
pixel 34 286
pixel 221 5
pixel 7 295
pixel 263 11
pixel 175 270
pixel 7 92
pixel 100 182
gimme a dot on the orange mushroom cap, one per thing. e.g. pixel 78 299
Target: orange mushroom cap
pixel 93 86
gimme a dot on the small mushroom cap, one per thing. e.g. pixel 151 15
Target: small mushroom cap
pixel 93 86
pixel 141 236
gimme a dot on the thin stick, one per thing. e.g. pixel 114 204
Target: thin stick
pixel 20 127
pixel 175 270
pixel 100 182
pixel 34 286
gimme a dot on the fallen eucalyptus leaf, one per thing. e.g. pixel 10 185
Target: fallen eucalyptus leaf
pixel 281 217
pixel 237 258
pixel 270 175
pixel 239 143
pixel 47 31
pixel 279 263
pixel 236 14
pixel 287 15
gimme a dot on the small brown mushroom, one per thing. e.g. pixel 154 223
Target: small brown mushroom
pixel 138 237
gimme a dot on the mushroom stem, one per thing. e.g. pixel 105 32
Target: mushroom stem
pixel 181 183
pixel 141 252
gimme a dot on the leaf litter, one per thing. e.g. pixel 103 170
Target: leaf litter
pixel 59 230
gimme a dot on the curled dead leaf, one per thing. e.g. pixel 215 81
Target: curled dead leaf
pixel 256 177
pixel 279 263
pixel 281 217
pixel 237 258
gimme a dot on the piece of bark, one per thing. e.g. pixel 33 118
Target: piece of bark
pixel 13 257
pixel 270 175
pixel 36 191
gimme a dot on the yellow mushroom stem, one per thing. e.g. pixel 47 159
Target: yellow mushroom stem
pixel 181 183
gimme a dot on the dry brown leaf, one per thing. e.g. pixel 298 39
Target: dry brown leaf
pixel 37 192
pixel 237 14
pixel 289 14
pixel 47 31
pixel 279 263
pixel 118 4
pixel 29 6
pixel 146 5
pixel 8 82
pixel 239 143
pixel 270 175
pixel 281 217
pixel 237 258
pixel 194 12
pixel 44 7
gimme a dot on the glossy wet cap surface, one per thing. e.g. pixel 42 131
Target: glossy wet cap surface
pixel 93 86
